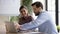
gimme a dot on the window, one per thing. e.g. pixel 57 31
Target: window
pixel 51 8
pixel 59 12
pixel 51 5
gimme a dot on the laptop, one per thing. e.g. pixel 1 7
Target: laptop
pixel 10 27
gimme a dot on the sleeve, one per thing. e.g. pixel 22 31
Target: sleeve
pixel 34 24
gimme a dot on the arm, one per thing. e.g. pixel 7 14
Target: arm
pixel 33 24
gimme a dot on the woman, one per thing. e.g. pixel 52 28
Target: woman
pixel 25 17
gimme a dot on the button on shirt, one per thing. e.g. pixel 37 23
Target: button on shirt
pixel 43 23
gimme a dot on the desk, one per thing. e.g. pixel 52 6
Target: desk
pixel 22 33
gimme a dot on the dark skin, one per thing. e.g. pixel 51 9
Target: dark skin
pixel 24 12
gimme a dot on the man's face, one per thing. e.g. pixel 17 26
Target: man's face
pixel 24 12
pixel 36 10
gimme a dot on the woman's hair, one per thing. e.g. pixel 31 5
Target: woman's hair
pixel 22 7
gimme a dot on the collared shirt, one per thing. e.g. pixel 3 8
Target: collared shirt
pixel 43 22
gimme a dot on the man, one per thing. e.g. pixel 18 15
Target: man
pixel 43 22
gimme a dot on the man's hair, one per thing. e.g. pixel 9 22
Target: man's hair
pixel 22 7
pixel 38 4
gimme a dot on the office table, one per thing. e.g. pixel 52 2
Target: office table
pixel 22 33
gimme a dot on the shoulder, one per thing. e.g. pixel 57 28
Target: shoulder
pixel 30 16
pixel 44 15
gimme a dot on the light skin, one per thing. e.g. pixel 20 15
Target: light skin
pixel 36 11
pixel 24 12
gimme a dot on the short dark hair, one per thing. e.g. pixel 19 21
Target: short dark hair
pixel 22 7
pixel 38 4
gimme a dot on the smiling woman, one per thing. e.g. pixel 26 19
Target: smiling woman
pixel 27 3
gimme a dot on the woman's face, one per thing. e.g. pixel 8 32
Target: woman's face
pixel 24 12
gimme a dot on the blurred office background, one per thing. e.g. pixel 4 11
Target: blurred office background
pixel 10 8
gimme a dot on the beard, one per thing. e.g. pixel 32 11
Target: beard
pixel 36 14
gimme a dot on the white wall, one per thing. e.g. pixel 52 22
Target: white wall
pixel 9 7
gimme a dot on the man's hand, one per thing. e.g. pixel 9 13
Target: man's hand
pixel 17 26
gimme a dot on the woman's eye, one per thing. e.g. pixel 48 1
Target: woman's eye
pixel 24 10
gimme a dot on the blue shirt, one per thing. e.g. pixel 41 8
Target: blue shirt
pixel 43 23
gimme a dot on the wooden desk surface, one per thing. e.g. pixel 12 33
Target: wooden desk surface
pixel 23 33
